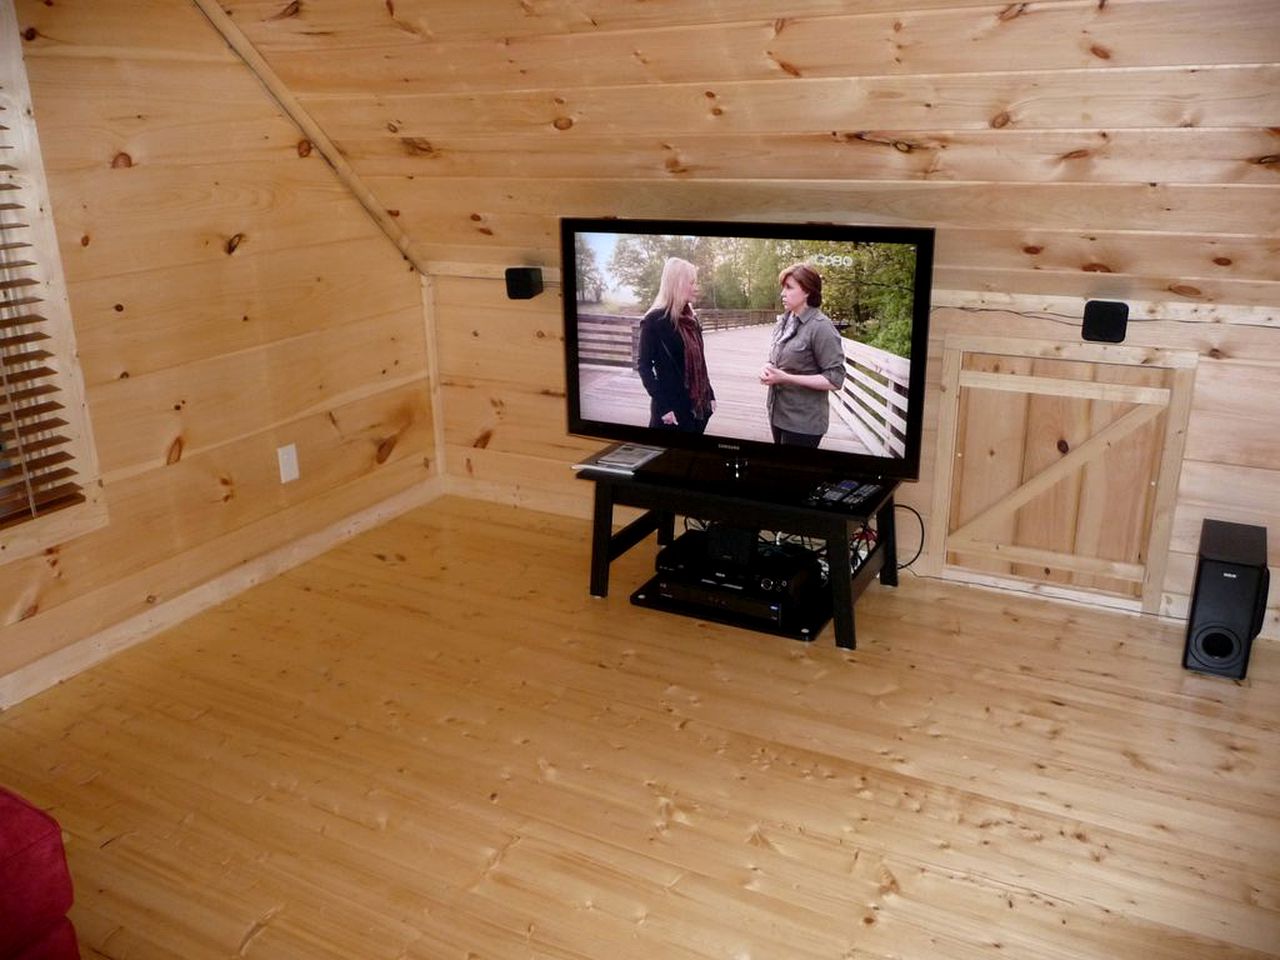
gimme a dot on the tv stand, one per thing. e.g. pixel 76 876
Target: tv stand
pixel 762 498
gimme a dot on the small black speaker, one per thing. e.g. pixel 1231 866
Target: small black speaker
pixel 735 546
pixel 523 283
pixel 1229 600
pixel 1105 320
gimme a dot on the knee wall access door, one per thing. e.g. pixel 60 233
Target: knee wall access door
pixel 1058 466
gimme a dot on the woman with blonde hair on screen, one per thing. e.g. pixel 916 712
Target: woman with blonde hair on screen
pixel 672 360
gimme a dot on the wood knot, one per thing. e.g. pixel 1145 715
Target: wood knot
pixel 174 453
pixel 788 68
pixel 562 123
pixel 1222 261
pixel 1270 159
pixel 1185 290
pixel 1011 11
pixel 1215 353
pixel 289 10
pixel 384 449
pixel 1032 250
pixel 30 34
pixel 1063 447
pixel 1096 268
pixel 418 147
pixel 232 243
pixel 482 440
pixel 1076 155
pixel 304 147
pixel 121 161
pixel 1101 52
pixel 1001 119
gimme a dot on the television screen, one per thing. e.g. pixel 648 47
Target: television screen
pixel 793 344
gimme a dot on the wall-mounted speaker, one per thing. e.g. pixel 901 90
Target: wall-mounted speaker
pixel 1105 320
pixel 523 283
pixel 1229 599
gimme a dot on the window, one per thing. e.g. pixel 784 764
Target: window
pixel 49 488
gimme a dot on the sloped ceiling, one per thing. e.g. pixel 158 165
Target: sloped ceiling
pixel 1065 148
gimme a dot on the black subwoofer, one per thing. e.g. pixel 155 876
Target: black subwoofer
pixel 1229 598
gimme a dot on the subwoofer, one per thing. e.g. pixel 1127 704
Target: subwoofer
pixel 1229 598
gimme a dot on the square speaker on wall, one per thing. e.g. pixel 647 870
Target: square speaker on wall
pixel 1105 320
pixel 523 283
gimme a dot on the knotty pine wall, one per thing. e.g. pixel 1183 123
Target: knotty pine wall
pixel 1065 149
pixel 229 296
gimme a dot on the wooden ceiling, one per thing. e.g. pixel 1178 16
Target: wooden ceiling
pixel 1066 149
pixel 1114 148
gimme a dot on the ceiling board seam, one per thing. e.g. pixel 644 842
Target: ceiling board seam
pixel 276 88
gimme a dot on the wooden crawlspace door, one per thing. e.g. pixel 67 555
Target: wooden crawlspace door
pixel 1058 466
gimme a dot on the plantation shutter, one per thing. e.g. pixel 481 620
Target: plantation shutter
pixel 47 464
pixel 37 474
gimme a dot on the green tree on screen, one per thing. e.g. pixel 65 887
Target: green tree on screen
pixel 590 280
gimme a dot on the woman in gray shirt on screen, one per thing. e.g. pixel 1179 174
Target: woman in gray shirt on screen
pixel 806 361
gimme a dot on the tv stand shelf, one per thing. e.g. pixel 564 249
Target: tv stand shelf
pixel 765 502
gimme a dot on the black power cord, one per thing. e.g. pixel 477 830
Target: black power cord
pixel 920 547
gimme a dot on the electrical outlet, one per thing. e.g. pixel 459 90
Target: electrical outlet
pixel 287 456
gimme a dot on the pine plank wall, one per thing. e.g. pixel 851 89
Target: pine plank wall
pixel 233 291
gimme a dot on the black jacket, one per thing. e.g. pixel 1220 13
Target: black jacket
pixel 661 367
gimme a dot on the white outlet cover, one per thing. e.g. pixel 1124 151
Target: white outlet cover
pixel 287 456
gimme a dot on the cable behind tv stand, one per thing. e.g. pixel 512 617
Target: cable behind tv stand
pixel 760 497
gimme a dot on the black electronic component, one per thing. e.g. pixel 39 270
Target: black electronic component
pixel 523 283
pixel 1229 600
pixel 1105 321
pixel 780 588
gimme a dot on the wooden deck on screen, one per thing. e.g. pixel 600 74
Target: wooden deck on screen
pixel 734 359
pixel 431 743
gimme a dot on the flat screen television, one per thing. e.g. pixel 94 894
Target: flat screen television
pixel 875 289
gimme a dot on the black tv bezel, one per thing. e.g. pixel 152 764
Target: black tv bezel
pixel 833 462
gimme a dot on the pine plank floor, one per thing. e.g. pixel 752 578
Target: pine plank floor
pixel 431 743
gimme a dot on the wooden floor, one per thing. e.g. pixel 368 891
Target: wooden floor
pixel 431 743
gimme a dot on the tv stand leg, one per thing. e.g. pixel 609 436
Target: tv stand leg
pixel 601 540
pixel 887 535
pixel 840 576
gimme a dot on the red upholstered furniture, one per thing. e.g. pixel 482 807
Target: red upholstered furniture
pixel 35 887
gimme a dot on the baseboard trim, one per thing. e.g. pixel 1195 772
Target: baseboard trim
pixel 63 664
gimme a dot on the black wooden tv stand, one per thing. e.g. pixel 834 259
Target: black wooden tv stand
pixel 762 498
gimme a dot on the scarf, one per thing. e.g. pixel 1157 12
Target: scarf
pixel 695 365
pixel 783 331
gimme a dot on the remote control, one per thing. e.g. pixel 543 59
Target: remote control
pixel 832 492
pixel 865 492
